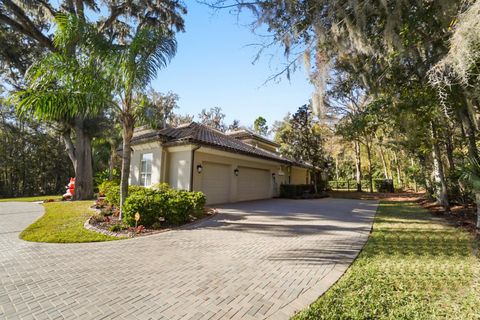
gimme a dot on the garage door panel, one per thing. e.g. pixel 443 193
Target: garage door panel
pixel 253 184
pixel 216 182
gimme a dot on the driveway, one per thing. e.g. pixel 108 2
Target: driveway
pixel 254 260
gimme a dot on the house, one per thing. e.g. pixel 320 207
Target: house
pixel 227 167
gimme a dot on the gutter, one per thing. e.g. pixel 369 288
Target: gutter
pixel 192 164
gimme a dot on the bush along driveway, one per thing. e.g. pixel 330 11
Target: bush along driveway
pixel 253 260
pixel 414 266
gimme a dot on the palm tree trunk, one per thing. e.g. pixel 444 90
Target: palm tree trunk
pixel 358 165
pixel 83 162
pixel 127 133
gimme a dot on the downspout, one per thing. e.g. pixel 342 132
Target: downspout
pixel 290 174
pixel 192 165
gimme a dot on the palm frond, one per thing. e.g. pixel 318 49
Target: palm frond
pixel 150 50
pixel 471 173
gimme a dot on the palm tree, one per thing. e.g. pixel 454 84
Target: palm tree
pixel 135 65
pixel 471 175
pixel 69 86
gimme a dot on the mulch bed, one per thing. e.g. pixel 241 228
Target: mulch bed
pixel 104 227
pixel 462 217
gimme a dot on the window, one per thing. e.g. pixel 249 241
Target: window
pixel 146 170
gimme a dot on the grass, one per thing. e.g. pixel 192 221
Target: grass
pixel 63 222
pixel 32 199
pixel 414 266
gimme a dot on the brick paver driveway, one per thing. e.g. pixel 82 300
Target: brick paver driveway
pixel 255 260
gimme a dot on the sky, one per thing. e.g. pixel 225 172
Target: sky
pixel 213 67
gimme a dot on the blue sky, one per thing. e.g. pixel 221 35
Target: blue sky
pixel 213 67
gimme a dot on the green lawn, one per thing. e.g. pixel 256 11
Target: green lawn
pixel 63 222
pixel 32 199
pixel 413 267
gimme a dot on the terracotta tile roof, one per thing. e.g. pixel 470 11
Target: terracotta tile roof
pixel 245 134
pixel 204 135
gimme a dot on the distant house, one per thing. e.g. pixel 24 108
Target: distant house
pixel 227 167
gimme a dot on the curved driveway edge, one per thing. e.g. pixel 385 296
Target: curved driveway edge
pixel 253 260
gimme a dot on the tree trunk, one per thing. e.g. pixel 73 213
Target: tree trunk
pixel 384 163
pixel 83 162
pixel 477 200
pixel 69 147
pixel 358 165
pixel 469 132
pixel 369 163
pixel 336 168
pixel 415 187
pixel 127 134
pixel 315 182
pixel 397 165
pixel 449 150
pixel 111 162
pixel 441 191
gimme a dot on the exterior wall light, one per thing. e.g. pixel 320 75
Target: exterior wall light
pixel 199 168
pixel 235 172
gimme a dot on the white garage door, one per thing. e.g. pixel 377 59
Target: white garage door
pixel 253 184
pixel 216 182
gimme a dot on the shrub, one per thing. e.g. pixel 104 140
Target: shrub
pixel 384 185
pixel 105 186
pixel 149 203
pixel 116 227
pixel 106 212
pixel 97 217
pixel 163 204
pixel 104 176
pixel 112 193
pixel 162 187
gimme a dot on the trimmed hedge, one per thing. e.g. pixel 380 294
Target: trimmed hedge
pixel 171 207
pixel 385 185
pixel 296 190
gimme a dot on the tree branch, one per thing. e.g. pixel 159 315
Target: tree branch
pixel 115 11
pixel 48 7
pixel 28 28
pixel 69 147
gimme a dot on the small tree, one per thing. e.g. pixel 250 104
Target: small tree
pixel 135 65
pixel 260 126
pixel 301 138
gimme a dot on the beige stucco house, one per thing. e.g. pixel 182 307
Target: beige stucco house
pixel 227 167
